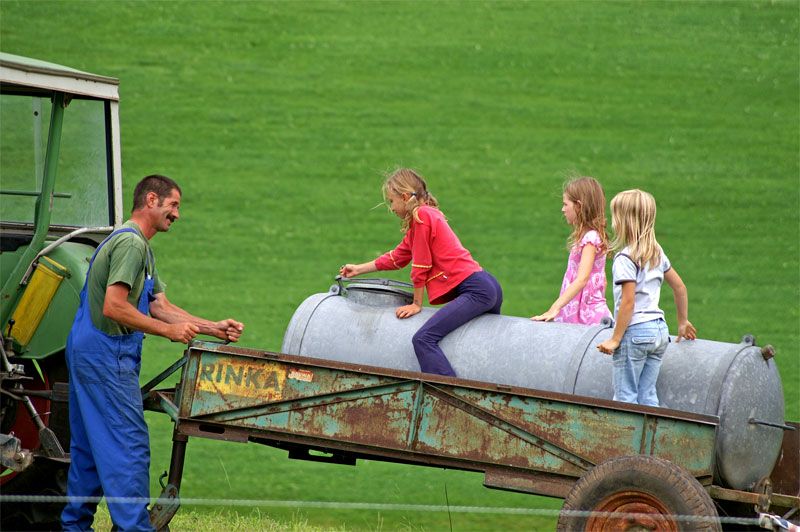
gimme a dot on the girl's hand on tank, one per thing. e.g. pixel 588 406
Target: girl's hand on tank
pixel 608 347
pixel 686 330
pixel 547 316
pixel 348 270
pixel 407 311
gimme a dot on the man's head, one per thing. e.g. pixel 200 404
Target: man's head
pixel 161 185
pixel 158 198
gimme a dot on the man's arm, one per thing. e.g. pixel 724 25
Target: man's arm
pixel 117 307
pixel 164 310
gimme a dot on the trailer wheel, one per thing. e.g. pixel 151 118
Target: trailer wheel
pixel 638 493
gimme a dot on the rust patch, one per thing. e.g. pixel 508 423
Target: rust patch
pixel 786 473
pixel 373 421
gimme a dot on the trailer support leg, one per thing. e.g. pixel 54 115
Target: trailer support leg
pixel 167 504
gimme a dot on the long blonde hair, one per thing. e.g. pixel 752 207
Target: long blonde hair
pixel 408 181
pixel 633 217
pixel 590 211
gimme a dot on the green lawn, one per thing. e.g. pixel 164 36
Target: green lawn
pixel 278 119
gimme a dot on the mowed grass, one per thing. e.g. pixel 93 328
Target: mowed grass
pixel 223 521
pixel 278 119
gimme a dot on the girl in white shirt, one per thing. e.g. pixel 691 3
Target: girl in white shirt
pixel 640 334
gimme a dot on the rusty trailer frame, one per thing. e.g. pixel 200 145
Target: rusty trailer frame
pixel 521 439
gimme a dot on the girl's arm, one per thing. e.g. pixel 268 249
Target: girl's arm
pixel 624 315
pixel 406 311
pixel 573 289
pixel 397 258
pixel 685 327
pixel 351 270
pixel 421 263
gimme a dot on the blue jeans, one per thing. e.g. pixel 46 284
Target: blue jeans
pixel 480 293
pixel 637 362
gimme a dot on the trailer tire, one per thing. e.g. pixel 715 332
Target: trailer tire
pixel 653 493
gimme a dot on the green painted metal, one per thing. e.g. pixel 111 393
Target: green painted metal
pixel 11 291
pixel 51 334
pixel 240 394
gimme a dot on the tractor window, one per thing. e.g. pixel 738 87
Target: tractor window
pixel 82 187
pixel 83 167
pixel 24 124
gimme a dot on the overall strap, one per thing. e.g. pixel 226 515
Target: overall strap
pixel 150 262
pixel 107 239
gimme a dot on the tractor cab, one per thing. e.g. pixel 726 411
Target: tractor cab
pixel 60 195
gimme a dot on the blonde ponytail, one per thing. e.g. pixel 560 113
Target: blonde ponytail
pixel 633 217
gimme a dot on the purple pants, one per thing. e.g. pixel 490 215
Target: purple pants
pixel 480 293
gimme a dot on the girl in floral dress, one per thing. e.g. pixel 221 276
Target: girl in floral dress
pixel 583 291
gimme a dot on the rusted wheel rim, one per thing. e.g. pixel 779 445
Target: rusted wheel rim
pixel 637 511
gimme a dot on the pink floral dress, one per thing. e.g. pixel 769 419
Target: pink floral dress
pixel 589 306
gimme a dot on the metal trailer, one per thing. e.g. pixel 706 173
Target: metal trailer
pixel 617 466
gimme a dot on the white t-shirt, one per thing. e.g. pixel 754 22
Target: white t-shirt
pixel 648 285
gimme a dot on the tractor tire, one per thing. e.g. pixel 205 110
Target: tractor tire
pixel 638 493
pixel 44 477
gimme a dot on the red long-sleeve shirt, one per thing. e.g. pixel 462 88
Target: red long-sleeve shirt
pixel 438 260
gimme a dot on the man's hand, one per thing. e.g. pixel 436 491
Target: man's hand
pixel 228 329
pixel 182 332
pixel 609 346
pixel 407 311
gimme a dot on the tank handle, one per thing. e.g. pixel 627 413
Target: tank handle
pixel 754 421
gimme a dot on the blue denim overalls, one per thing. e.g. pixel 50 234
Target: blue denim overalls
pixel 109 442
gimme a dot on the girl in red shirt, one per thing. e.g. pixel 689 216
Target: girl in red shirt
pixel 438 262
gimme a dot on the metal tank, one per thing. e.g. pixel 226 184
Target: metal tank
pixel 737 382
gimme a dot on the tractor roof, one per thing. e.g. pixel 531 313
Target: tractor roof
pixel 31 75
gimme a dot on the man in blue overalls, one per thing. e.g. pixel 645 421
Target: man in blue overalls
pixel 122 299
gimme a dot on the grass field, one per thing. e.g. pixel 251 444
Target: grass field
pixel 278 119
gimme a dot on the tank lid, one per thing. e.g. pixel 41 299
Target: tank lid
pixel 387 287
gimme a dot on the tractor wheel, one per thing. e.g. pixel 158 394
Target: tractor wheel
pixel 638 493
pixel 45 476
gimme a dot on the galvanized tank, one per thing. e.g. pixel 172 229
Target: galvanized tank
pixel 736 382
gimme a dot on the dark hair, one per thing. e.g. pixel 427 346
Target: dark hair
pixel 160 184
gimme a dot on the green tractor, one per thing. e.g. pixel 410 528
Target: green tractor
pixel 60 195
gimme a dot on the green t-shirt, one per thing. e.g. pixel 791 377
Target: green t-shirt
pixel 123 259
